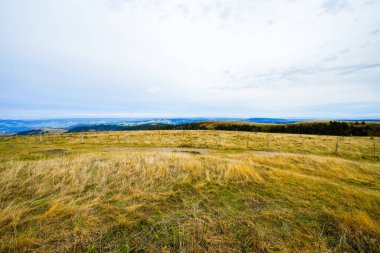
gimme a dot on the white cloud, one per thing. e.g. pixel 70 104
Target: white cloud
pixel 201 58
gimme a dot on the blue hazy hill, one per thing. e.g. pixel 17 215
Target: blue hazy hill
pixel 16 126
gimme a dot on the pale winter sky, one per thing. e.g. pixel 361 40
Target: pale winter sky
pixel 247 58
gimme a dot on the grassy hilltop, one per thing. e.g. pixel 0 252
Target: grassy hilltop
pixel 189 191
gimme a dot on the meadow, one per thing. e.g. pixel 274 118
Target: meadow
pixel 189 191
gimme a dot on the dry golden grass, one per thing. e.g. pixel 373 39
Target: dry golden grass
pixel 355 148
pixel 228 199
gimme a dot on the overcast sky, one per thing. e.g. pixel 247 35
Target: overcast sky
pixel 136 58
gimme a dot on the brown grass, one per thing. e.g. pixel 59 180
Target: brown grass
pixel 226 200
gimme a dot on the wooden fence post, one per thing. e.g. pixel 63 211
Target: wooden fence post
pixel 374 149
pixel 82 139
pixel 40 137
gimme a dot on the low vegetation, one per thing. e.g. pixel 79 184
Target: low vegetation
pixel 306 127
pixel 211 191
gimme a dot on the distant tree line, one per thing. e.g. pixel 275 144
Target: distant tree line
pixel 331 128
pixel 317 128
pixel 320 128
pixel 113 127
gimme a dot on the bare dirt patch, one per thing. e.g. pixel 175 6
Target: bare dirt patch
pixel 52 152
pixel 187 150
pixel 263 152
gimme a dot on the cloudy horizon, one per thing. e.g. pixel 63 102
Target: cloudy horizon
pixel 129 58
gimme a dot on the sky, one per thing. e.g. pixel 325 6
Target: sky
pixel 140 58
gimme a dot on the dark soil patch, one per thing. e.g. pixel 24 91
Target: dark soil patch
pixel 52 152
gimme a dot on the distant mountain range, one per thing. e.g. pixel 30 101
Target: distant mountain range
pixel 31 126
pixel 108 124
pixel 16 126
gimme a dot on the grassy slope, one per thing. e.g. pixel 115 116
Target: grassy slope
pixel 229 199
